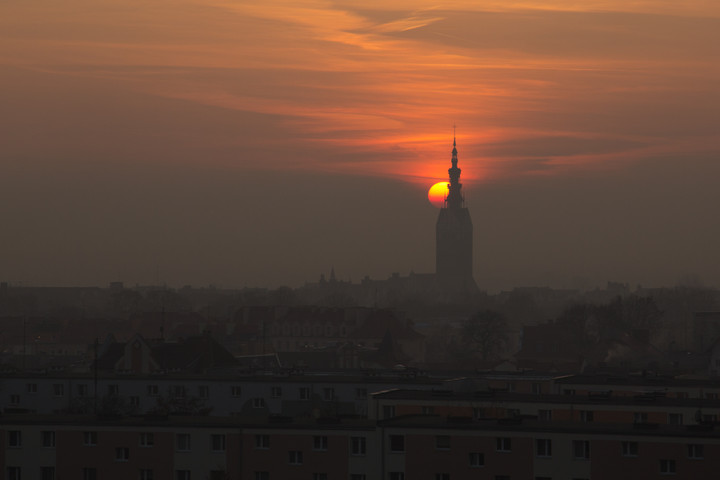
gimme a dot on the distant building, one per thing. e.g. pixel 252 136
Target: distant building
pixel 454 238
pixel 199 354
pixel 350 332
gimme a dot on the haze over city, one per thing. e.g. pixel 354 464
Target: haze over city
pixel 244 144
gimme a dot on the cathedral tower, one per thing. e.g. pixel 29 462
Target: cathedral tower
pixel 453 238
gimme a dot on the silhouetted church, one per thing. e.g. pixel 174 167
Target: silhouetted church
pixel 454 238
pixel 453 279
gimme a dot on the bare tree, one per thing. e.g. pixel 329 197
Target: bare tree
pixel 485 334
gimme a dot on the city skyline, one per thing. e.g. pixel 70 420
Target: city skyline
pixel 245 145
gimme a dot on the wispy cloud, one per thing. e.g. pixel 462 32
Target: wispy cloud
pixel 582 84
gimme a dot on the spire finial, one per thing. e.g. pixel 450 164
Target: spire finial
pixel 454 197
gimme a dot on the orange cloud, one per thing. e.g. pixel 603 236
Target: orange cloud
pixel 600 81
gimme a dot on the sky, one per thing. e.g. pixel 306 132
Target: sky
pixel 244 143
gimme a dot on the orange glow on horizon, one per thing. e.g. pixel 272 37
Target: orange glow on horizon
pixel 333 87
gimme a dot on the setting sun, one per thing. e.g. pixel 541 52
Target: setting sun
pixel 437 194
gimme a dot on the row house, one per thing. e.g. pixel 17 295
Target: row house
pixel 634 385
pixel 215 395
pixel 422 447
pixel 593 408
pixel 418 447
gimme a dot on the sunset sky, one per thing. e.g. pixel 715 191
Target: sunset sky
pixel 246 143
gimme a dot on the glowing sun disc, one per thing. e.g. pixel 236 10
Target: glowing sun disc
pixel 437 194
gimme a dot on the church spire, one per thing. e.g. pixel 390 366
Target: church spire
pixel 454 198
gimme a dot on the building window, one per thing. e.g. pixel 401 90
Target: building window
pixel 276 392
pixel 113 389
pixel 182 442
pixel 14 473
pixel 329 394
pixel 47 473
pixel 122 454
pixel 178 391
pixel 397 443
pixel 640 417
pixel 146 474
pixel 203 391
pixel 545 415
pixel 537 388
pixel 478 413
pixel 502 477
pixel 320 442
pixel 236 391
pixel 217 475
pixel 14 399
pixel 31 388
pixel 182 474
pixel 358 445
pixel 15 439
pixel 675 418
pixel 262 475
pixel 428 410
pixel 134 401
pixel 295 457
pixel 476 459
pixel 258 402
pixel 503 444
pixel 48 439
pixel 629 449
pixel 581 449
pixel 667 467
pixel 217 443
pixel 58 389
pixel 262 442
pixel 543 447
pixel 361 393
pixel 89 439
pixel 442 442
pixel 89 473
pixel 388 411
pixel 586 416
pixel 358 476
pixel 147 440
pixel 568 391
pixel 153 391
pixel 695 451
pixel 82 390
pixel 304 393
pixel 396 476
pixel 320 476
pixel 442 476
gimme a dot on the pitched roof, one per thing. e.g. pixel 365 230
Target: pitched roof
pixel 388 354
pixel 194 354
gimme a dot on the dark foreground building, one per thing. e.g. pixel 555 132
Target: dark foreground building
pixel 454 238
pixel 498 426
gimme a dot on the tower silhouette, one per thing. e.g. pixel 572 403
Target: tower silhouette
pixel 453 238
